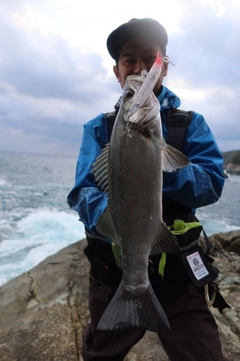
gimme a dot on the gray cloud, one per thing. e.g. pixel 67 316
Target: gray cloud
pixel 207 57
pixel 46 66
pixel 49 89
pixel 209 47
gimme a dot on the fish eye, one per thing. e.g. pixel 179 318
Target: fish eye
pixel 128 94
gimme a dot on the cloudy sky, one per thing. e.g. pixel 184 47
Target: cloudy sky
pixel 56 74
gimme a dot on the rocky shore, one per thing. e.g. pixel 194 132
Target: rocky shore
pixel 233 169
pixel 43 311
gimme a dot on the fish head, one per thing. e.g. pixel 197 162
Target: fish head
pixel 131 90
pixel 141 107
pixel 146 113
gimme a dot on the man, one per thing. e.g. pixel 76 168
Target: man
pixel 193 335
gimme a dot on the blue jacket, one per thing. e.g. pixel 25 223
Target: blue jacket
pixel 195 186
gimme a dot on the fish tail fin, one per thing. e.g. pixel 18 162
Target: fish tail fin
pixel 134 308
pixel 165 241
pixel 173 159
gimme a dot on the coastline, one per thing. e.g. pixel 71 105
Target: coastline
pixel 43 312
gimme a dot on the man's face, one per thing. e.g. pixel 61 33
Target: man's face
pixel 137 54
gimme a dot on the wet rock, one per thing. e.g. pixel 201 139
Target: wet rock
pixel 230 241
pixel 233 169
pixel 43 312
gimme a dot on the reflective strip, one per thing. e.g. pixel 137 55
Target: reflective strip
pixel 162 264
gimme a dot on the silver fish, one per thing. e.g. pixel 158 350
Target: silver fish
pixel 130 169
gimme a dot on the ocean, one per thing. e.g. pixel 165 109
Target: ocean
pixel 36 222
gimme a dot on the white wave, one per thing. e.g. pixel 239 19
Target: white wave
pixel 52 225
pixel 37 236
pixel 213 227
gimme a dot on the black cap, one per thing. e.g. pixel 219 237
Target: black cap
pixel 136 27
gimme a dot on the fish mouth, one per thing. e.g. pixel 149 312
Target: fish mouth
pixel 151 79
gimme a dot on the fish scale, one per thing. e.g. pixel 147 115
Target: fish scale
pixel 134 162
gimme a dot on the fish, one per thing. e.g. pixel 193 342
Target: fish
pixel 130 170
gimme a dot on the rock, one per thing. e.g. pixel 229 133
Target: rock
pixel 230 241
pixel 228 281
pixel 233 169
pixel 43 312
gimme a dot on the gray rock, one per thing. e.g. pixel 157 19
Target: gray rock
pixel 43 312
pixel 230 241
pixel 233 169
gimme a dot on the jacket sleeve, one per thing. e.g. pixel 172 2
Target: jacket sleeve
pixel 85 197
pixel 200 183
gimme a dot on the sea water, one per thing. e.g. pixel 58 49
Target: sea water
pixel 36 222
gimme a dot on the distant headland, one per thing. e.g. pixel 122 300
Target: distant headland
pixel 232 162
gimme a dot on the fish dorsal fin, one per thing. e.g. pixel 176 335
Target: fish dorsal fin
pixel 101 169
pixel 106 227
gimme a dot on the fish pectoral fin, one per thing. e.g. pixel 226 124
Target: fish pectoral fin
pixel 105 226
pixel 172 159
pixel 165 241
pixel 100 169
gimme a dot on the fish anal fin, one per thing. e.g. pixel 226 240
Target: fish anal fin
pixel 165 241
